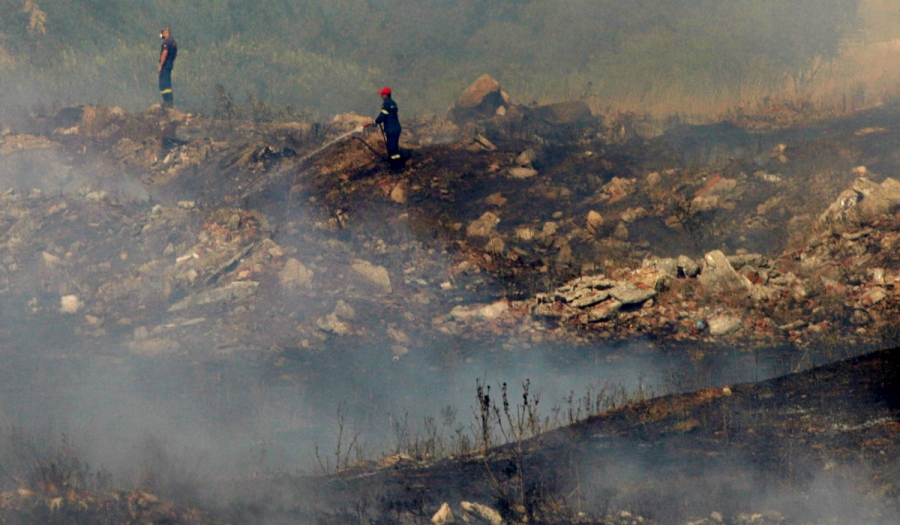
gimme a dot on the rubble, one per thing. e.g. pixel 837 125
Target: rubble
pixel 199 264
pixel 589 249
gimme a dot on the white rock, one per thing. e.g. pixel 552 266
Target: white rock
pixel 483 226
pixel 525 234
pixel 444 516
pixel 483 511
pixel 375 274
pixel 719 276
pixel 69 304
pixel 495 244
pixel 526 157
pixel 522 173
pixel 594 221
pixel 724 325
pixel 486 312
pixel 95 196
pixel 399 194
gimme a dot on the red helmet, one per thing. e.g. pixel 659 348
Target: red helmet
pixel 385 91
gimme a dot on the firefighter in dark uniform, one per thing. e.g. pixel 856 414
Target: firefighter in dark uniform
pixel 168 51
pixel 390 123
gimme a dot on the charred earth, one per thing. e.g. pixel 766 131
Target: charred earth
pixel 221 289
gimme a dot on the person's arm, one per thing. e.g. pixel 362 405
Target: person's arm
pixel 382 116
pixel 162 58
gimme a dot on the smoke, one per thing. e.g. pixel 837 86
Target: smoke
pixel 328 56
pixel 185 423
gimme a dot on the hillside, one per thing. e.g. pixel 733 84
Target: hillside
pixel 816 447
pixel 202 307
pixel 328 56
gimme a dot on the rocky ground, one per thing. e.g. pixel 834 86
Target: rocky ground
pixel 133 225
pixel 293 248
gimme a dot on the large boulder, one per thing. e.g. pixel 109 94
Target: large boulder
pixel 864 201
pixel 484 88
pixel 877 198
pixel 718 276
pixel 479 100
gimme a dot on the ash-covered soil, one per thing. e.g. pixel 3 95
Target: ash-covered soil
pixel 814 447
pixel 236 282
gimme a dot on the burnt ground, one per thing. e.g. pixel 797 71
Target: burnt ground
pixel 812 447
pixel 212 265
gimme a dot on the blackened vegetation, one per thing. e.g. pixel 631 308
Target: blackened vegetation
pixel 793 445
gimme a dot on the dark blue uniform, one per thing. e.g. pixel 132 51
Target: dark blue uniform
pixel 391 122
pixel 165 74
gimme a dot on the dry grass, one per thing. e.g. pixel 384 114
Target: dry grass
pixel 865 75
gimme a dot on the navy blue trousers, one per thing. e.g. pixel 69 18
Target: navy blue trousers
pixel 165 87
pixel 393 144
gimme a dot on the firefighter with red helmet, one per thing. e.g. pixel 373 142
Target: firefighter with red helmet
pixel 390 123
